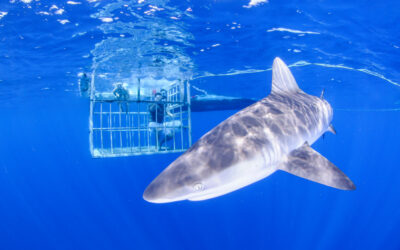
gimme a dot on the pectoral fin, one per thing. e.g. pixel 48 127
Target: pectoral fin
pixel 307 163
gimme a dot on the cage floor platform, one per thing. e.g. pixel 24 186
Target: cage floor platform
pixel 123 152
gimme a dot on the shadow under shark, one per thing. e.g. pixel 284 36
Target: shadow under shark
pixel 273 134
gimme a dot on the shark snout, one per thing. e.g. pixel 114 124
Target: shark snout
pixel 167 187
pixel 153 192
pixel 157 194
pixel 160 191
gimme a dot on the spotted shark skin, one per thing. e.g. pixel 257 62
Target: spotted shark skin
pixel 273 134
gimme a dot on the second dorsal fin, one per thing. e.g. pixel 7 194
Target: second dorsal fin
pixel 282 79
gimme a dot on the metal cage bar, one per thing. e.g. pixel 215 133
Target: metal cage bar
pixel 110 127
pixel 127 123
pixel 189 113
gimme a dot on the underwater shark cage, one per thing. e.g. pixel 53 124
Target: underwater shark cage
pixel 136 123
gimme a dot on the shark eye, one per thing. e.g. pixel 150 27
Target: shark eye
pixel 198 187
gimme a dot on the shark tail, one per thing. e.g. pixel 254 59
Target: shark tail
pixel 307 163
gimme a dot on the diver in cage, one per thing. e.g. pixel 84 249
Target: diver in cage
pixel 84 84
pixel 164 131
pixel 122 95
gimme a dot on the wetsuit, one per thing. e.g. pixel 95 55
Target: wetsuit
pixel 84 84
pixel 157 112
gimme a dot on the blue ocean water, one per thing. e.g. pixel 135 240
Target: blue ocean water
pixel 54 195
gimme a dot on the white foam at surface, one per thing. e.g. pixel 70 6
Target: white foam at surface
pixel 3 14
pixel 102 75
pixel 369 110
pixel 63 21
pixel 293 31
pixel 106 19
pixel 369 72
pixel 254 3
pixel 200 90
pixel 73 3
pixel 59 12
pixel 161 59
pixel 79 34
pixel 155 8
pixel 44 13
pixel 300 64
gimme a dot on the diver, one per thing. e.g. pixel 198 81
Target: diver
pixel 122 95
pixel 84 84
pixel 164 130
pixel 157 109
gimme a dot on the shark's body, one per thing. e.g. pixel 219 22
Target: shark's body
pixel 272 134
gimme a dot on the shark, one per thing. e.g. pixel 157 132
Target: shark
pixel 272 134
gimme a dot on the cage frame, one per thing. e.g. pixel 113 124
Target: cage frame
pixel 97 153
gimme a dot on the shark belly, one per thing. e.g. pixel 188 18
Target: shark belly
pixel 235 177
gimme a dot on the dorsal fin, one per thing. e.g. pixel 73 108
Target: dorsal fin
pixel 282 79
